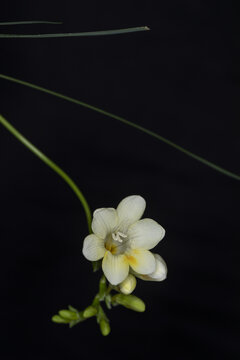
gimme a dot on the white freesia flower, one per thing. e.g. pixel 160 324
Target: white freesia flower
pixel 123 240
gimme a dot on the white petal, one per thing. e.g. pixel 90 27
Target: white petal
pixel 142 261
pixel 145 234
pixel 115 268
pixel 131 209
pixel 160 272
pixel 104 221
pixel 93 248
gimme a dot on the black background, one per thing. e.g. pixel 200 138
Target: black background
pixel 174 80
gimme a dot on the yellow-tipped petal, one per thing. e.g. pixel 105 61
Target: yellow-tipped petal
pixel 142 261
pixel 115 268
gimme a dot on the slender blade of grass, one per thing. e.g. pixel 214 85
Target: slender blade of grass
pixel 78 34
pixel 127 122
pixel 29 22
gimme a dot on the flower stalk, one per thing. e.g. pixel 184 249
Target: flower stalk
pixel 52 165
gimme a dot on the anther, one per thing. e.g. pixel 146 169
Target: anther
pixel 117 236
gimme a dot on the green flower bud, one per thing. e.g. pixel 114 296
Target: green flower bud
pixel 104 327
pixel 59 320
pixel 89 312
pixel 129 301
pixel 68 315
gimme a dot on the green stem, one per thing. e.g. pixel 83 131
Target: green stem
pixel 52 165
pixel 127 122
pixel 80 34
pixel 109 289
pixel 29 22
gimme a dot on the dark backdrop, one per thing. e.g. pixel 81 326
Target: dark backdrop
pixel 174 80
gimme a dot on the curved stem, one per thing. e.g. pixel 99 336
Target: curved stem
pixel 127 122
pixel 52 165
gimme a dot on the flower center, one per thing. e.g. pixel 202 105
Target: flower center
pixel 116 242
pixel 118 235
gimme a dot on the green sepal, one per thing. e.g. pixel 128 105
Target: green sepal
pixel 101 314
pixel 96 265
pixel 59 320
pixel 69 315
pixel 102 288
pixel 108 301
pixel 74 322
pixel 71 308
pixel 80 319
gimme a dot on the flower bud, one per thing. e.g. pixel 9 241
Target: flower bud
pixel 160 272
pixel 68 315
pixel 104 327
pixel 89 312
pixel 59 320
pixel 128 285
pixel 129 301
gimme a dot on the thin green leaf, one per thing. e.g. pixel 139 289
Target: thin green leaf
pixel 80 34
pixel 127 122
pixel 29 22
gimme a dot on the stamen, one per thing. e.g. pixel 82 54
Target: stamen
pixel 117 236
pixel 122 235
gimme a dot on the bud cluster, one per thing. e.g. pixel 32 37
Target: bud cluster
pixel 72 316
